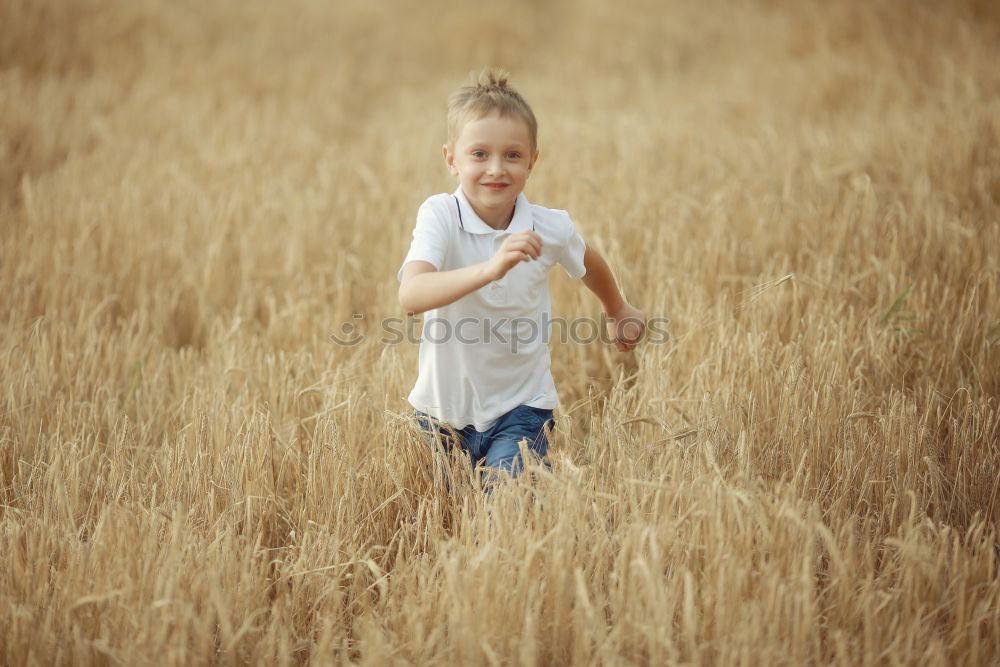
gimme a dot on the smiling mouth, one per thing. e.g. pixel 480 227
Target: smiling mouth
pixel 496 186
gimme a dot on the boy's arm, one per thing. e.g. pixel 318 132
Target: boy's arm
pixel 625 323
pixel 599 280
pixel 423 287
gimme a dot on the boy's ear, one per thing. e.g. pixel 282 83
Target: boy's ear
pixel 449 159
pixel 534 159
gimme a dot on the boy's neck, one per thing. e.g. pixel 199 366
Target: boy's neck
pixel 498 222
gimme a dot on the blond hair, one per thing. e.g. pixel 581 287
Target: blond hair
pixel 488 93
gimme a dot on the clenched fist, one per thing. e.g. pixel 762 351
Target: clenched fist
pixel 518 247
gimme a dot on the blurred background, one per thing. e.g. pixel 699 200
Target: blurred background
pixel 195 195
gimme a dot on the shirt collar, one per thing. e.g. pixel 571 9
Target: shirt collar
pixel 471 222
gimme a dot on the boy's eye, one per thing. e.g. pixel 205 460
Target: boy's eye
pixel 513 155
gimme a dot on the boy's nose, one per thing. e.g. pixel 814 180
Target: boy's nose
pixel 494 167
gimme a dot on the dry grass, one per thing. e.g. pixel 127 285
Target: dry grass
pixel 192 198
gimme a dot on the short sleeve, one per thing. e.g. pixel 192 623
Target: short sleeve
pixel 430 238
pixel 572 253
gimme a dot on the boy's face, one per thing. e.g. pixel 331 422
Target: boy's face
pixel 492 150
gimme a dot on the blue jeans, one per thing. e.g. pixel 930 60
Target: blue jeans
pixel 497 447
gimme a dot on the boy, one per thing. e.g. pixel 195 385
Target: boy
pixel 478 267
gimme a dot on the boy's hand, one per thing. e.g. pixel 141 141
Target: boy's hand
pixel 518 247
pixel 626 326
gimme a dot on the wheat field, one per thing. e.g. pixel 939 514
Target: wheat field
pixel 195 196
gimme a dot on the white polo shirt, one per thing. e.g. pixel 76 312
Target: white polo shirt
pixel 486 353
